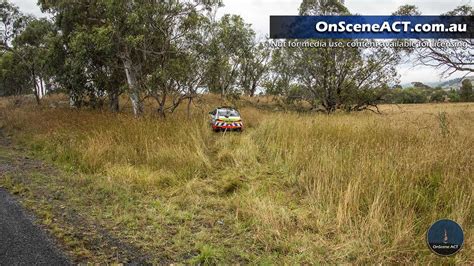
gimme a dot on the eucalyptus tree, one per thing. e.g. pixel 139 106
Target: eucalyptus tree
pixel 230 47
pixel 255 65
pixel 31 46
pixel 193 59
pixel 323 8
pixel 465 91
pixel 95 53
pixel 407 10
pixel 140 38
pixel 74 19
pixel 349 78
pixel 14 75
pixel 281 72
pixel 24 41
pixel 149 35
pixel 449 58
pixel 12 22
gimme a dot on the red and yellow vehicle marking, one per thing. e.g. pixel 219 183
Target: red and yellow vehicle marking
pixel 227 125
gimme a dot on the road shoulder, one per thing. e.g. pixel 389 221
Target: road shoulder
pixel 24 188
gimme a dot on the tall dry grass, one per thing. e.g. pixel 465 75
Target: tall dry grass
pixel 293 188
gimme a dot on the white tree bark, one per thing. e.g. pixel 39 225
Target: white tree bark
pixel 134 93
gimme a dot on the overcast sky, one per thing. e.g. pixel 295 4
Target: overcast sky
pixel 257 12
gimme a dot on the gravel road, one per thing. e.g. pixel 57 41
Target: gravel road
pixel 21 241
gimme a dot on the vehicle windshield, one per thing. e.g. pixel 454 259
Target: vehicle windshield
pixel 228 112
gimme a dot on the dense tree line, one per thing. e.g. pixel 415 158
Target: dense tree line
pixel 421 93
pixel 170 51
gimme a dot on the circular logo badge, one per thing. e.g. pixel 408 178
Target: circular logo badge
pixel 445 237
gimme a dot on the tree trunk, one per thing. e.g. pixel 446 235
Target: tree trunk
pixel 253 89
pixel 36 88
pixel 74 99
pixel 188 108
pixel 114 104
pixel 43 92
pixel 137 103
pixel 162 103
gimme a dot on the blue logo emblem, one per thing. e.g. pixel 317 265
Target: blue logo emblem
pixel 445 237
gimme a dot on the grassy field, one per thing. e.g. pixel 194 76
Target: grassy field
pixel 292 188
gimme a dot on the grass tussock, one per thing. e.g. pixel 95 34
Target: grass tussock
pixel 293 188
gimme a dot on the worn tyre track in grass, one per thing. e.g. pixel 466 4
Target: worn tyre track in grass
pixel 190 220
pixel 82 239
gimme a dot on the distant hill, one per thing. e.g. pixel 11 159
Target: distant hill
pixel 454 83
pixel 449 84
